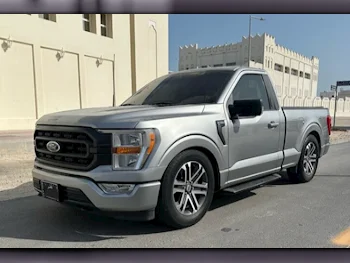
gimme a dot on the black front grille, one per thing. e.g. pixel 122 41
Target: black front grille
pixel 78 148
pixel 75 197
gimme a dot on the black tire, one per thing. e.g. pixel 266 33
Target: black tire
pixel 166 211
pixel 297 174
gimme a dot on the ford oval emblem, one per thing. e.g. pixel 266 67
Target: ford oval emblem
pixel 53 147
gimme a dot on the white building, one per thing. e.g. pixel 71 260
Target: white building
pixel 293 74
pixel 58 62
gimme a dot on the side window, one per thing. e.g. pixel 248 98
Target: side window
pixel 251 86
pixel 271 92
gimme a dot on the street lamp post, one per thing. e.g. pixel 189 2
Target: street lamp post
pixel 250 39
pixel 335 88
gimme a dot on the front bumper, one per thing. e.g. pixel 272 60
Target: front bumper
pixel 85 193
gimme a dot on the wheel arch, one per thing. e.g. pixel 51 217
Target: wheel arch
pixel 312 129
pixel 202 144
pixel 318 138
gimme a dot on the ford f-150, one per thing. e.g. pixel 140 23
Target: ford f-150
pixel 165 151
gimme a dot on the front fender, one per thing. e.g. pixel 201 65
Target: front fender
pixel 192 141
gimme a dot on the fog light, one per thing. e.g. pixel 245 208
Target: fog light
pixel 117 188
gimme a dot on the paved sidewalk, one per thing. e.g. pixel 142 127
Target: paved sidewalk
pixel 16 135
pixel 16 158
pixel 342 122
pixel 16 143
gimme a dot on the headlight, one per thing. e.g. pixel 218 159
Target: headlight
pixel 132 148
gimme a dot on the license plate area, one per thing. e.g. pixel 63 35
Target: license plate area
pixel 51 191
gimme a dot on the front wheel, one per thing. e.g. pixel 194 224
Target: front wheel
pixel 305 170
pixel 187 190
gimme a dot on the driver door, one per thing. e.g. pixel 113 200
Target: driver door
pixel 253 141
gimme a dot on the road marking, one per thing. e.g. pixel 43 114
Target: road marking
pixel 342 239
pixel 267 214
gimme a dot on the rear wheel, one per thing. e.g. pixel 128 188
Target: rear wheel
pixel 305 170
pixel 187 190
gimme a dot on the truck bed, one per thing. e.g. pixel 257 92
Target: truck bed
pixel 298 121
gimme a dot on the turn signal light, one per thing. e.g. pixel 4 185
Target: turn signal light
pixel 127 150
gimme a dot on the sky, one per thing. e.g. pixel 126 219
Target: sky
pixel 324 36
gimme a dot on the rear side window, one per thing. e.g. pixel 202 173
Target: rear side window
pixel 251 86
pixel 271 92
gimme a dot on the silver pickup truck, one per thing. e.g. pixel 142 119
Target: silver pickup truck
pixel 166 150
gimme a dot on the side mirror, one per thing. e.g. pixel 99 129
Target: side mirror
pixel 245 108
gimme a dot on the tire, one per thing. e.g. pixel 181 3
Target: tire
pixel 299 173
pixel 174 206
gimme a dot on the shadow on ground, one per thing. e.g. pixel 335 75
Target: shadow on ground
pixel 24 215
pixel 337 175
pixel 283 181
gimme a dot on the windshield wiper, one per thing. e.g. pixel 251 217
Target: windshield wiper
pixel 162 104
pixel 152 104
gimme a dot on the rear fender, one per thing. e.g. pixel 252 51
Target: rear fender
pixel 313 127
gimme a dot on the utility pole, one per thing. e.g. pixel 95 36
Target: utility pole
pixel 335 88
pixel 250 39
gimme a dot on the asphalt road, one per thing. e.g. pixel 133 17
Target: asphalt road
pixel 274 216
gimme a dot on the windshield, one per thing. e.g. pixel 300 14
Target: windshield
pixel 201 87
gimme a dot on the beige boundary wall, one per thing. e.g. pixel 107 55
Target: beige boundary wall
pixel 343 105
pixel 49 66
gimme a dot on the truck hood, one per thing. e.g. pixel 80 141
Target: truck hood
pixel 122 117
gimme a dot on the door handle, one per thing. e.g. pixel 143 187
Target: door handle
pixel 272 125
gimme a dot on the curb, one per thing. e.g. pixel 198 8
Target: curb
pixel 16 142
pixel 340 142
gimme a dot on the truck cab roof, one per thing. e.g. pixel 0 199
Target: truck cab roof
pixel 233 68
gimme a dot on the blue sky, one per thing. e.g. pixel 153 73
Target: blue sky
pixel 324 36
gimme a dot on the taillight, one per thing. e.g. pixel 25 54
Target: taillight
pixel 329 124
